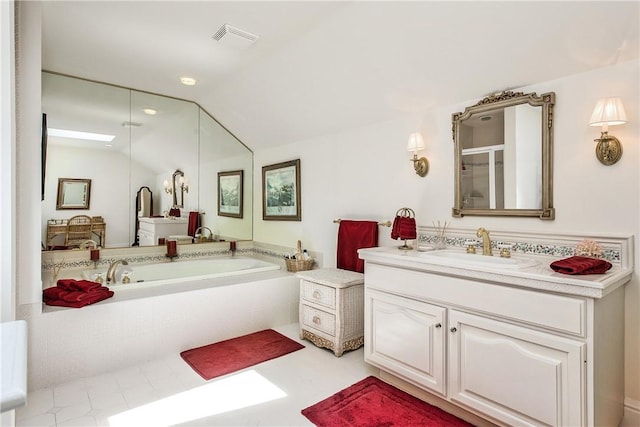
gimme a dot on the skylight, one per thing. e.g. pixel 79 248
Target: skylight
pixel 63 133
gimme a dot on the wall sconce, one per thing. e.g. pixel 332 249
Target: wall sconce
pixel 183 185
pixel 167 187
pixel 608 112
pixel 415 144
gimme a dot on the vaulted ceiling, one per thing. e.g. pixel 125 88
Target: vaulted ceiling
pixel 322 67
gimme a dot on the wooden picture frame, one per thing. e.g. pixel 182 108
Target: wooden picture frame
pixel 231 193
pixel 281 191
pixel 73 193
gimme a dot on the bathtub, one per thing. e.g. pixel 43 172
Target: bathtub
pixel 144 275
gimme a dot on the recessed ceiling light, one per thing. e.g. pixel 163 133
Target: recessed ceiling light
pixel 63 133
pixel 150 111
pixel 188 81
pixel 108 145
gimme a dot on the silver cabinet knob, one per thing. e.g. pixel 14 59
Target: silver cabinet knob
pixel 453 329
pixel 438 325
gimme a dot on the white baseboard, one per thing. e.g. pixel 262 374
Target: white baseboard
pixel 631 413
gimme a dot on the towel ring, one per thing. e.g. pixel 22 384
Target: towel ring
pixel 406 213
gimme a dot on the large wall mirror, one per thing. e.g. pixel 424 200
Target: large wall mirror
pixel 503 156
pixel 137 139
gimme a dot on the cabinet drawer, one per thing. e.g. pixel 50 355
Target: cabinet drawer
pixel 561 313
pixel 319 294
pixel 318 319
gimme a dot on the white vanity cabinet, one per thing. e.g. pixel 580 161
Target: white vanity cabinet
pixel 408 336
pixel 514 374
pixel 151 229
pixel 508 353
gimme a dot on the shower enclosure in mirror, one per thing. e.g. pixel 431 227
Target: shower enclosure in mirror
pixel 503 156
pixel 138 139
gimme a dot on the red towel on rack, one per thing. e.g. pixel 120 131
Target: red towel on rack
pixel 581 265
pixel 194 223
pixel 354 235
pixel 403 228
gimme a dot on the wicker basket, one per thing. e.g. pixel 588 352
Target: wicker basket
pixel 299 264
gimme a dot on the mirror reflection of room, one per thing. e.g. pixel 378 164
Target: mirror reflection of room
pixel 136 140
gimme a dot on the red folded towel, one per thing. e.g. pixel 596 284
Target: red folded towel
pixel 404 228
pixel 580 265
pixel 76 299
pixel 77 285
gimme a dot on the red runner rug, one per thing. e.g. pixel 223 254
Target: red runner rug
pixel 372 402
pixel 224 357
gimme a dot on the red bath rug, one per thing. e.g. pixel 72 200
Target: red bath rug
pixel 224 357
pixel 372 402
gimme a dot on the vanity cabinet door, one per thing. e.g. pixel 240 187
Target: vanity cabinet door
pixel 406 337
pixel 516 375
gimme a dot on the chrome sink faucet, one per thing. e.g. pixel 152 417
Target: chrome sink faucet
pixel 486 241
pixel 111 272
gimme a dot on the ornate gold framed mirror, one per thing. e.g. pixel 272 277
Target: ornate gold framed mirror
pixel 504 156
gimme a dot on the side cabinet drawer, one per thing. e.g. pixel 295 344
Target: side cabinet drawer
pixel 319 294
pixel 318 319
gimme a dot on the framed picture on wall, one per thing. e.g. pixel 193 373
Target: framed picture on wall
pixel 73 193
pixel 230 194
pixel 281 191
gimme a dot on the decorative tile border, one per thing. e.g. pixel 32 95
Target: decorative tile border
pixel 554 246
pixel 77 260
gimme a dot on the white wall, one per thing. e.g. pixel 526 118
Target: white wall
pixel 365 174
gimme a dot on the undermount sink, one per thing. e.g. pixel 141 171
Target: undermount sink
pixel 458 258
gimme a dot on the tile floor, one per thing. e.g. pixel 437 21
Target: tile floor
pixel 167 392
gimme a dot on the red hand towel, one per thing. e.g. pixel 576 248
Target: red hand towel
pixel 73 296
pixel 354 235
pixel 77 285
pixel 407 228
pixel 53 293
pixel 404 228
pixel 194 223
pixel 580 265
pixel 58 297
pixel 394 229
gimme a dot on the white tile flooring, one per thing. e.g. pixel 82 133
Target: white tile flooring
pixel 167 391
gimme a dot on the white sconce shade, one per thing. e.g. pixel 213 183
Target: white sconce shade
pixel 416 143
pixel 608 112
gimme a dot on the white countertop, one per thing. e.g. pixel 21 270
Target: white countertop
pixel 540 276
pixel 162 220
pixel 13 342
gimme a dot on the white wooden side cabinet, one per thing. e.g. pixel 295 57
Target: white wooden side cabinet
pixel 332 309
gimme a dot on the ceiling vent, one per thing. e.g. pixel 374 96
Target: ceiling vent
pixel 234 37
